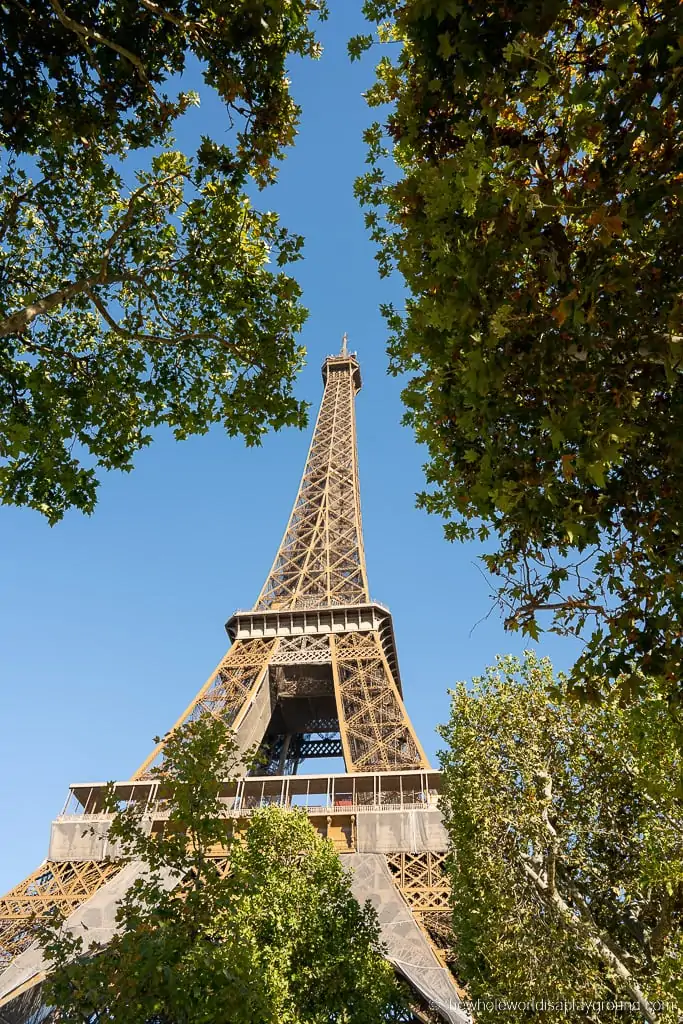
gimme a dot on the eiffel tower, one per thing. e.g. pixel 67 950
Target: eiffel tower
pixel 312 672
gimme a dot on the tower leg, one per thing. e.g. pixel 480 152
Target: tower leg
pixel 377 734
pixel 61 886
pixel 408 948
pixel 228 692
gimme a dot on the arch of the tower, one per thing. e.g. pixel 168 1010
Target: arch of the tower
pixel 304 724
pixel 332 696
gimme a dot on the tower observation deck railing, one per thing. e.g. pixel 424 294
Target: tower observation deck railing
pixel 316 794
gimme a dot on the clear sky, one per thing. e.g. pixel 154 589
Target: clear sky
pixel 110 624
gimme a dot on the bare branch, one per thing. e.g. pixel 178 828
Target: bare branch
pixel 544 795
pixel 569 604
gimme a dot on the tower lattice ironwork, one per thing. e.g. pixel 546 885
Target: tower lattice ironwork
pixel 312 672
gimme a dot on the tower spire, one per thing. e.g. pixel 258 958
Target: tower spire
pixel 321 561
pixel 345 339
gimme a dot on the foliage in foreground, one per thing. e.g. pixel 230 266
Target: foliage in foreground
pixel 566 827
pixel 268 932
pixel 99 75
pixel 537 220
pixel 139 287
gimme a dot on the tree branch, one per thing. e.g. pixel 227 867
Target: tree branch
pixel 183 23
pixel 89 33
pixel 127 218
pixel 585 923
pixel 526 612
pixel 544 786
pixel 661 930
pixel 80 362
pixel 154 338
pixel 10 210
pixel 18 322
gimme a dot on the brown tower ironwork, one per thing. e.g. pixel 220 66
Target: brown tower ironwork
pixel 321 561
pixel 312 672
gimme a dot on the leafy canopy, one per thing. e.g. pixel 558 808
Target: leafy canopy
pixel 262 927
pixel 534 208
pixel 566 830
pixel 139 286
pixel 92 74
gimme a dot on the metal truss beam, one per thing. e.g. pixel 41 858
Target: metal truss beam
pixel 53 886
pixel 375 729
pixel 321 561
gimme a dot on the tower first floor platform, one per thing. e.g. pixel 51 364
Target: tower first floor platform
pixel 386 827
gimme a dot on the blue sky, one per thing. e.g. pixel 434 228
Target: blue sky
pixel 111 623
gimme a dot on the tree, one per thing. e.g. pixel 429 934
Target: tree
pixel 566 831
pixel 268 930
pixel 74 71
pixel 139 286
pixel 536 217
